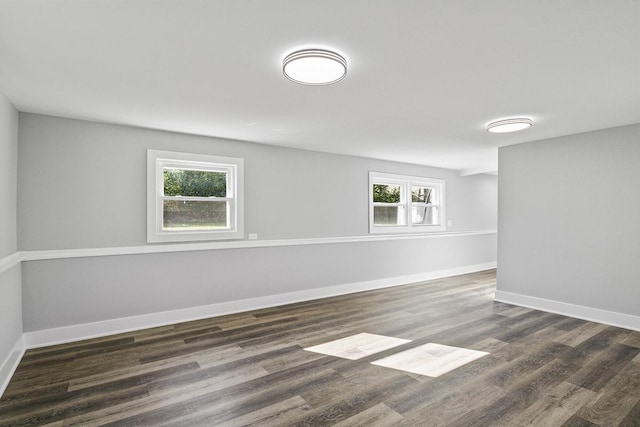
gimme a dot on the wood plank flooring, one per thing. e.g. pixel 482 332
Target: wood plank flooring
pixel 250 369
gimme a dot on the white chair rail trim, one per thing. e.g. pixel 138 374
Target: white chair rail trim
pixel 236 244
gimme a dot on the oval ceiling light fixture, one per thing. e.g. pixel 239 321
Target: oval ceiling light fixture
pixel 509 125
pixel 314 67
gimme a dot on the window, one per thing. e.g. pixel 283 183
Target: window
pixel 405 204
pixel 192 197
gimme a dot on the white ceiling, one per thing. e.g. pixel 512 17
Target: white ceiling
pixel 424 76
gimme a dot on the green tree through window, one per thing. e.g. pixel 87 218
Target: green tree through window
pixel 194 183
pixel 386 193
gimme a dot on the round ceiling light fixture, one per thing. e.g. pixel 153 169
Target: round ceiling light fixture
pixel 509 125
pixel 314 67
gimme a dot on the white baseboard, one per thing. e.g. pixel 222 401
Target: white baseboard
pixel 612 318
pixel 72 333
pixel 10 364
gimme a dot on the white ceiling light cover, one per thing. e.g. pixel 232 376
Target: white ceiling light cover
pixel 509 125
pixel 314 67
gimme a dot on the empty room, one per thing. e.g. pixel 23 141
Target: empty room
pixel 319 213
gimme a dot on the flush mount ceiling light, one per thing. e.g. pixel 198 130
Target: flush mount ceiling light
pixel 509 125
pixel 314 67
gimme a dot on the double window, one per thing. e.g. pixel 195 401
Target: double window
pixel 193 197
pixel 405 204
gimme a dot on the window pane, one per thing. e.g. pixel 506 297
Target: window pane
pixel 386 193
pixel 423 194
pixel 185 182
pixel 388 215
pixel 426 215
pixel 185 215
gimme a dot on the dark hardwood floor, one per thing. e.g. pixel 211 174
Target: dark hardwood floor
pixel 250 369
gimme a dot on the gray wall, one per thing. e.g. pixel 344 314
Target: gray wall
pixel 569 214
pixel 8 176
pixel 82 290
pixel 83 185
pixel 10 289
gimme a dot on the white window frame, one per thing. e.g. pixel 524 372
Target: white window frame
pixel 157 160
pixel 406 183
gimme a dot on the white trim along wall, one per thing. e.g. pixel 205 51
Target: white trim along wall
pixel 65 334
pixel 68 288
pixel 82 331
pixel 238 244
pixel 10 261
pixel 10 364
pixel 572 310
pixel 481 256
